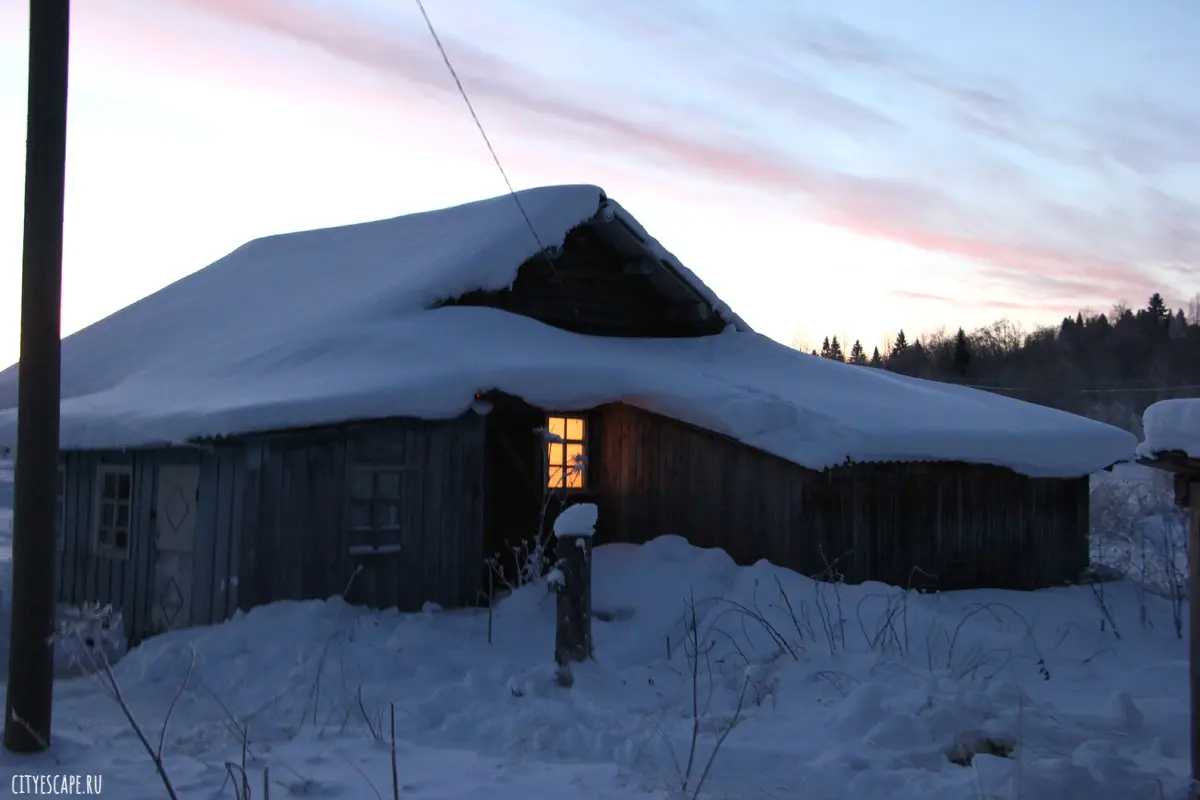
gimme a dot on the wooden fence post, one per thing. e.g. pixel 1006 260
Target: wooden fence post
pixel 573 532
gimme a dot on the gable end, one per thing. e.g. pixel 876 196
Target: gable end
pixel 603 282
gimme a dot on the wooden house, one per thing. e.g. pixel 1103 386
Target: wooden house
pixel 389 415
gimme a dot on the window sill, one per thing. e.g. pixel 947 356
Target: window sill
pixel 372 551
pixel 111 553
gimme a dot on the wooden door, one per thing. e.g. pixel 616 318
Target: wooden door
pixel 174 543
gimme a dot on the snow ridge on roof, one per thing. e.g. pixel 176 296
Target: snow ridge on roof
pixel 334 325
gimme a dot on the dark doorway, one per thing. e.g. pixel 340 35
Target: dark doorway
pixel 514 487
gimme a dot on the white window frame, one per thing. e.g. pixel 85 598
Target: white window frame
pixel 99 545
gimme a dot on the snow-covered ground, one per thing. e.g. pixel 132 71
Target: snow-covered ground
pixel 865 692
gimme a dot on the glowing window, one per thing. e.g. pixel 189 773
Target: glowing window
pixel 566 453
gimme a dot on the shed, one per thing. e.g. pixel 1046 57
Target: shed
pixel 1173 444
pixel 378 409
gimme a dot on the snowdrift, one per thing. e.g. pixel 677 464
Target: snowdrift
pixel 814 690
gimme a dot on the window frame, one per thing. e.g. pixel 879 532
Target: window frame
pixel 566 442
pixel 378 534
pixel 101 545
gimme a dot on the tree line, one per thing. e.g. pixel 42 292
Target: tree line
pixel 1108 366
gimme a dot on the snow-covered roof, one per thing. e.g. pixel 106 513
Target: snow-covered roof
pixel 334 325
pixel 1171 426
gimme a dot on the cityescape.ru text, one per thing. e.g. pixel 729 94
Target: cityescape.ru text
pixel 56 785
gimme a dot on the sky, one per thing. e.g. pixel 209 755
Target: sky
pixel 843 168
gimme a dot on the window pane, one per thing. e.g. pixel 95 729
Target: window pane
pixel 360 515
pixel 110 485
pixel 557 426
pixel 574 430
pixel 362 484
pixel 387 515
pixel 575 479
pixel 555 479
pixel 120 539
pixel 107 514
pixel 574 457
pixel 554 454
pixel 123 486
pixel 122 516
pixel 387 484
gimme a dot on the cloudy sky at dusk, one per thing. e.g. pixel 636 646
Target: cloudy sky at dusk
pixel 842 168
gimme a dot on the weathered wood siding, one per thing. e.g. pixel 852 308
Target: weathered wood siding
pixel 291 494
pixel 85 576
pixel 215 564
pixel 272 522
pixel 602 283
pixel 933 525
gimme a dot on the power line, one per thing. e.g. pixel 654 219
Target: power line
pixel 487 141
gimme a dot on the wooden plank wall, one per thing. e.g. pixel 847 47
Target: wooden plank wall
pixel 218 529
pixel 940 526
pixel 272 522
pixel 294 512
pixel 588 290
pixel 87 577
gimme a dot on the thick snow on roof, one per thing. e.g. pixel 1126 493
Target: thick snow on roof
pixel 1171 426
pixel 333 325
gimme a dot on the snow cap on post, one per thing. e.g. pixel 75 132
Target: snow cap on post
pixel 578 520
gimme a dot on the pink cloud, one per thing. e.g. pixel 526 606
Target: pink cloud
pixel 907 212
pixel 1000 305
pixel 1037 268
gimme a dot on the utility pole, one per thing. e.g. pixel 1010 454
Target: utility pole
pixel 31 655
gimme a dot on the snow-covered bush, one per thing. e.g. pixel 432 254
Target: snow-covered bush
pixel 1138 533
pixel 87 637
pixel 70 652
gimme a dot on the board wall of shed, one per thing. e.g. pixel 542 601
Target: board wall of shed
pixel 933 525
pixel 294 514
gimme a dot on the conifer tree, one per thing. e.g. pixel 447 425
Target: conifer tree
pixel 876 359
pixel 857 354
pixel 835 350
pixel 1158 307
pixel 962 354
